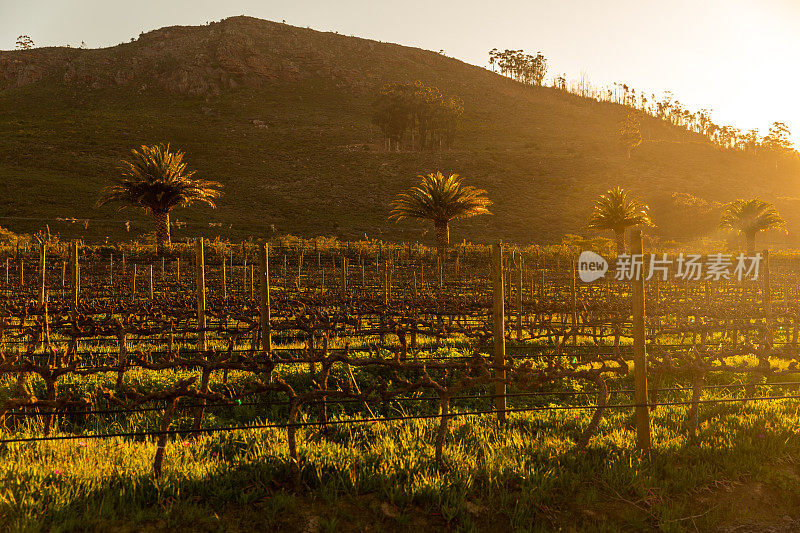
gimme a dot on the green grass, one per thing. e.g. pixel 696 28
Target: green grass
pixel 525 475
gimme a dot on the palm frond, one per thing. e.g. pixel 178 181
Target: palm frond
pixel 617 210
pixel 156 178
pixel 749 217
pixel 440 199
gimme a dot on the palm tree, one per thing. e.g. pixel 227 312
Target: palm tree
pixel 440 199
pixel 616 210
pixel 749 217
pixel 155 179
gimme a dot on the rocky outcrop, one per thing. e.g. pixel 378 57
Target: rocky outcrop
pixel 205 60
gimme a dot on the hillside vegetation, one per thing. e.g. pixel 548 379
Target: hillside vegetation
pixel 282 116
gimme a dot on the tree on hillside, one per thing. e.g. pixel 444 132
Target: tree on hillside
pixel 155 179
pixel 420 110
pixel 778 141
pixel 750 217
pixel 24 42
pixel 440 200
pixel 630 132
pixel 516 64
pixel 616 210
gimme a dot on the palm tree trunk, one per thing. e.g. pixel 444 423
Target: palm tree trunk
pixel 162 230
pixel 751 243
pixel 620 241
pixel 442 242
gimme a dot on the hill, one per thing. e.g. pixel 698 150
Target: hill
pixel 281 116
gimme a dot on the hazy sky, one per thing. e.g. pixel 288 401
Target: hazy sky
pixel 739 58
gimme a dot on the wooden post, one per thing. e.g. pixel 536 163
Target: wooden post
pixel 43 271
pixel 224 279
pixel 201 294
pixel 344 275
pixel 76 276
pixel 574 294
pixel 767 297
pixel 639 352
pixel 498 331
pixel 133 284
pixel 519 296
pixel 266 313
pixel 386 283
pixel 151 282
pixel 111 271
pixel 21 272
pixel 244 272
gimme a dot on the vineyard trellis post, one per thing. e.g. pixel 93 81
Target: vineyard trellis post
pixel 133 282
pixel 498 330
pixel 42 271
pixel 76 276
pixel 574 302
pixel 519 296
pixel 266 329
pixel 224 277
pixel 200 271
pixel 639 351
pixel 767 299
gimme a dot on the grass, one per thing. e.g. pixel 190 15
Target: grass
pixel 526 475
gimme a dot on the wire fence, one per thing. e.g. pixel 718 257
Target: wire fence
pixel 355 327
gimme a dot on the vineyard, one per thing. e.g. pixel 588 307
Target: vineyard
pixel 295 356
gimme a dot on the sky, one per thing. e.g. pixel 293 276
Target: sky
pixel 736 57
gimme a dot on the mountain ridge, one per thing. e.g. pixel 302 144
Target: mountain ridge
pixel 281 115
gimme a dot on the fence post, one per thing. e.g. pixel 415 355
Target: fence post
pixel 266 329
pixel 43 271
pixel 498 331
pixel 76 276
pixel 639 352
pixel 767 298
pixel 201 294
pixel 224 278
pixel 574 293
pixel 519 296
pixel 344 276
pixel 151 282
pixel 133 282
